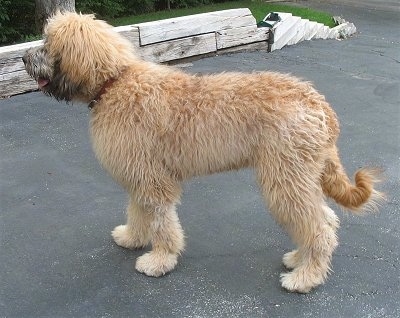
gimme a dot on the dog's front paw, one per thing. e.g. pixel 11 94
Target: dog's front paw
pixel 156 264
pixel 126 238
pixel 300 281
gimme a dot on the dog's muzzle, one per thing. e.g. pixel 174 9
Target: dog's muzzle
pixel 38 66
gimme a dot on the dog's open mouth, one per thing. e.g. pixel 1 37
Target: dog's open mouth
pixel 43 82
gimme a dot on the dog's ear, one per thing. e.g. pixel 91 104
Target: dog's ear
pixel 89 52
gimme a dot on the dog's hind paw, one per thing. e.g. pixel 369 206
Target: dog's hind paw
pixel 156 264
pixel 125 238
pixel 292 259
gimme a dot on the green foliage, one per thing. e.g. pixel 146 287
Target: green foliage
pixel 16 20
pixel 175 4
pixel 5 30
pixel 3 10
pixel 102 8
pixel 138 6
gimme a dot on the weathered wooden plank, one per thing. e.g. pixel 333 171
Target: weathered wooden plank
pixel 13 77
pixel 180 48
pixel 130 32
pixel 18 48
pixel 16 83
pixel 11 65
pixel 169 29
pixel 10 56
pixel 240 36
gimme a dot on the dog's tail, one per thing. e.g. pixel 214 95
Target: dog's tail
pixel 357 198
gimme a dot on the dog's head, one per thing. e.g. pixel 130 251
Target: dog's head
pixel 79 54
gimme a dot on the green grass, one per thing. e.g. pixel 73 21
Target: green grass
pixel 258 8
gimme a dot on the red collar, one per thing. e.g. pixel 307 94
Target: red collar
pixel 103 89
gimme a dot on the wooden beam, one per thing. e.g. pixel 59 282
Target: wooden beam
pixel 180 48
pixel 240 36
pixel 13 77
pixel 16 83
pixel 169 29
pixel 131 32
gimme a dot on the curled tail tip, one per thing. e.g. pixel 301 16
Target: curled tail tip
pixel 365 180
pixel 377 200
pixel 372 174
pixel 358 198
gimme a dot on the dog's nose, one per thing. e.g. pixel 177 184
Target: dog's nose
pixel 24 59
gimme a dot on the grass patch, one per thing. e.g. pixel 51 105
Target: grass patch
pixel 258 8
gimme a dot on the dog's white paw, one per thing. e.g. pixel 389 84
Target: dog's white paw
pixel 156 264
pixel 293 283
pixel 291 260
pixel 125 238
pixel 300 281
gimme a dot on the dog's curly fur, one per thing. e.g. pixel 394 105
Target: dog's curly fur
pixel 154 126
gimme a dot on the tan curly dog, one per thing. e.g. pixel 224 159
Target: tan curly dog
pixel 154 126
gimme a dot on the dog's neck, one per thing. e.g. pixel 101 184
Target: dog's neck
pixel 102 90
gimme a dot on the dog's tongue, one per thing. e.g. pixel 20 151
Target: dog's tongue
pixel 42 82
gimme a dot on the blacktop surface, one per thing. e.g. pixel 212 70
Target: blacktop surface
pixel 57 206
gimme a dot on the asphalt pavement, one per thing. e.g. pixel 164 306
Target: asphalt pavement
pixel 58 207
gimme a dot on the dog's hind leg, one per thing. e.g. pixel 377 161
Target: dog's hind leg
pixel 136 232
pixel 294 197
pixel 292 259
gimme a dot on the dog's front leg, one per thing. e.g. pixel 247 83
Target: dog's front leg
pixel 136 232
pixel 167 241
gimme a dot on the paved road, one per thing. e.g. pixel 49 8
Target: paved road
pixel 387 5
pixel 58 206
